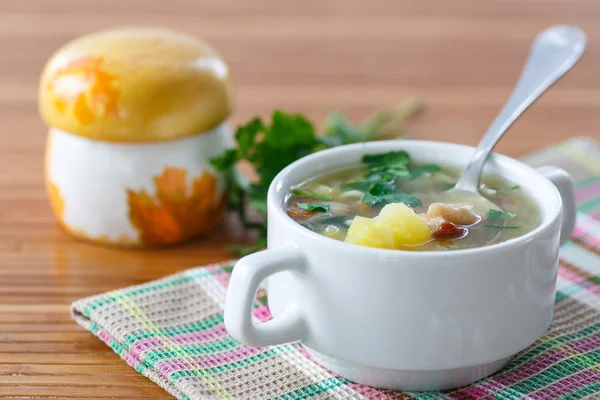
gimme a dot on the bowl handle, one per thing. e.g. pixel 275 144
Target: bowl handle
pixel 246 277
pixel 564 183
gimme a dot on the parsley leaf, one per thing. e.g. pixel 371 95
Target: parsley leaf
pixel 366 184
pixel 382 188
pixel 312 207
pixel 311 195
pixel 372 200
pixel 396 164
pixel 515 187
pixel 362 186
pixel 493 215
pixel 394 158
pixel 425 169
pixel 382 192
pixel 398 172
pixel 339 131
pixel 502 226
pixel 245 135
pixel 384 124
pixel 225 160
pixel 289 132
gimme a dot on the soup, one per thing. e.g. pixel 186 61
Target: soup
pixel 388 202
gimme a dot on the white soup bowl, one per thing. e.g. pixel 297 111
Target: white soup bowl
pixel 399 319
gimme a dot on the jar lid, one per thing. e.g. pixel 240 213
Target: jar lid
pixel 135 85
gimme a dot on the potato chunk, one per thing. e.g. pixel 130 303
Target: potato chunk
pixel 364 232
pixel 396 227
pixel 458 214
pixel 408 227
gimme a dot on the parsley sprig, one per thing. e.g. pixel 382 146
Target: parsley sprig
pixel 513 227
pixel 385 172
pixel 269 148
pixel 495 215
pixel 396 164
pixel 312 207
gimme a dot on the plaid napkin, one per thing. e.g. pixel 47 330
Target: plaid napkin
pixel 172 330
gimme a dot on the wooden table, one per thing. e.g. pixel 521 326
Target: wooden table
pixel 311 56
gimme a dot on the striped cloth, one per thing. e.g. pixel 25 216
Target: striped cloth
pixel 172 330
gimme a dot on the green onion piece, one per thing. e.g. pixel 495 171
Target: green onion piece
pixel 502 226
pixel 311 195
pixel 497 214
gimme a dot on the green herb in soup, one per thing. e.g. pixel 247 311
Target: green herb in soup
pixel 493 215
pixel 388 202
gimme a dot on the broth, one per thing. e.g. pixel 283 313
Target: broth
pixel 387 202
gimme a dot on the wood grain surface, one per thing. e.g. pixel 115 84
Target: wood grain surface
pixel 311 56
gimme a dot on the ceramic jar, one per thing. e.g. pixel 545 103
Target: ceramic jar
pixel 135 116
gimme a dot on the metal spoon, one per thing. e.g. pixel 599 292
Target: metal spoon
pixel 554 51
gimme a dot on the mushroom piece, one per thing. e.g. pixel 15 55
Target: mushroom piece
pixel 352 195
pixel 457 214
pixel 336 208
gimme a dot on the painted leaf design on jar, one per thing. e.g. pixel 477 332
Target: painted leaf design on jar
pixel 56 200
pixel 85 87
pixel 177 211
pixel 57 203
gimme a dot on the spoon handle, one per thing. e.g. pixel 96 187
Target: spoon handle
pixel 554 51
